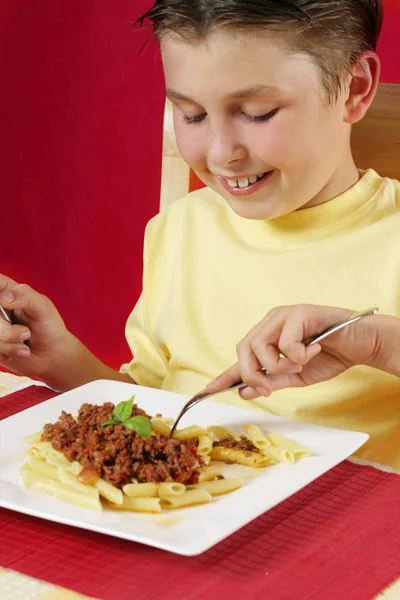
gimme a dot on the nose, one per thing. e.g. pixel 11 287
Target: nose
pixel 224 146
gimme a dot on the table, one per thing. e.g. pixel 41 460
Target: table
pixel 317 545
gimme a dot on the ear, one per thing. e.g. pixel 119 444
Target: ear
pixel 364 79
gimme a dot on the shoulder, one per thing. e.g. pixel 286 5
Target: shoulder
pixel 386 186
pixel 394 184
pixel 390 193
pixel 383 193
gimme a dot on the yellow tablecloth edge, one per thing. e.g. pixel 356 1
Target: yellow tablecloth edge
pixel 392 592
pixel 11 580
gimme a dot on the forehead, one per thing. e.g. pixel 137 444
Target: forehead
pixel 229 61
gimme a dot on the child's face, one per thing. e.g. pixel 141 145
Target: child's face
pixel 245 107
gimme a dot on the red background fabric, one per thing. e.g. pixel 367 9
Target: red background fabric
pixel 80 155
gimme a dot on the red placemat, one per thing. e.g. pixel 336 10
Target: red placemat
pixel 337 539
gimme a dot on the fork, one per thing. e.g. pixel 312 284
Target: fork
pixel 235 386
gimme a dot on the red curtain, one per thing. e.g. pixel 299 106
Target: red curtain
pixel 81 129
pixel 80 155
pixel 389 43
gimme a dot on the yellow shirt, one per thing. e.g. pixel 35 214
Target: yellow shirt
pixel 210 276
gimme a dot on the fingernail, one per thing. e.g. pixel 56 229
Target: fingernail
pixel 262 391
pixel 25 336
pixel 296 369
pixel 23 352
pixel 7 297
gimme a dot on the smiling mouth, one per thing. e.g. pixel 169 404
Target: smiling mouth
pixel 244 182
pixel 243 186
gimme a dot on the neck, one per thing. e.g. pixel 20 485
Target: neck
pixel 341 180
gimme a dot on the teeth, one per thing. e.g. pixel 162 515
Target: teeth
pixel 244 182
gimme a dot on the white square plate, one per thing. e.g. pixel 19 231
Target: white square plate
pixel 188 531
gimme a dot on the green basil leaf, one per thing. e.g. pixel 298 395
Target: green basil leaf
pixel 140 424
pixel 110 422
pixel 123 410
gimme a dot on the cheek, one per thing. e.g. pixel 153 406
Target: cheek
pixel 190 144
pixel 296 142
pixel 275 143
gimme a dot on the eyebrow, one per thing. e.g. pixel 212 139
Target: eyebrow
pixel 254 90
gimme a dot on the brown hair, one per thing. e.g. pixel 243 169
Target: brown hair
pixel 333 32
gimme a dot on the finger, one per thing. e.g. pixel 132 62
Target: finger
pixel 6 283
pixel 286 380
pixel 276 382
pixel 14 350
pixel 293 332
pixel 250 370
pixel 270 358
pixel 23 297
pixel 305 321
pixel 13 333
pixel 225 380
pixel 247 393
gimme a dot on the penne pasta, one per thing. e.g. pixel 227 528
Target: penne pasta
pixel 71 481
pixel 218 486
pixel 40 451
pixel 59 461
pixel 209 474
pixel 108 491
pixel 140 490
pixel 67 494
pixel 43 485
pixel 65 489
pixel 188 433
pixel 40 446
pixel 241 457
pixel 76 467
pixel 256 436
pixel 28 476
pixel 166 420
pixel 220 432
pixel 151 505
pixel 299 451
pixel 167 489
pixel 281 455
pixel 48 471
pixel 33 438
pixel 204 445
pixel 160 426
pixel 189 498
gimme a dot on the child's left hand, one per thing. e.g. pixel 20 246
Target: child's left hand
pixel 370 341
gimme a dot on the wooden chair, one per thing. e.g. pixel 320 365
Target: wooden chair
pixel 375 143
pixel 376 139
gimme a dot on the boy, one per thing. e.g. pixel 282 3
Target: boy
pixel 264 96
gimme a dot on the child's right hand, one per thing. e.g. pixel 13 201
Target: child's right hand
pixel 276 344
pixel 40 326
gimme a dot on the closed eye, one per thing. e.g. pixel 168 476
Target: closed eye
pixel 253 119
pixel 195 119
pixel 261 118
